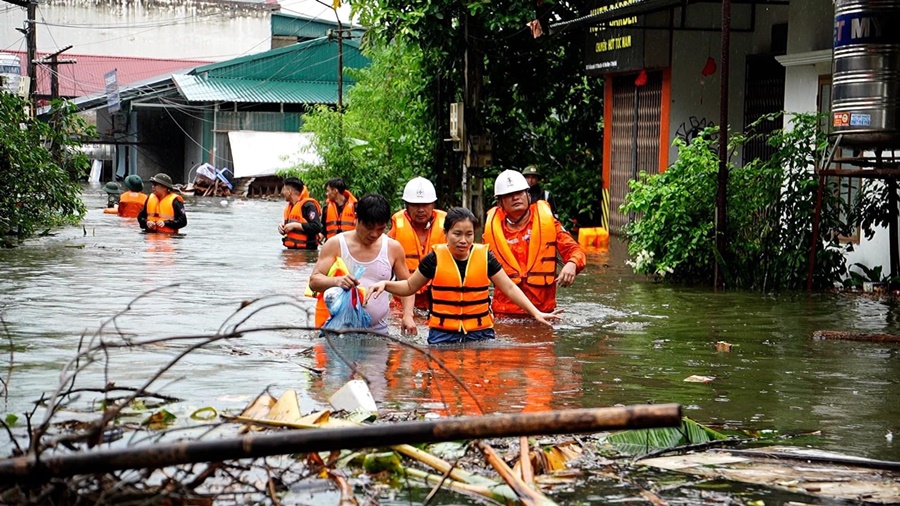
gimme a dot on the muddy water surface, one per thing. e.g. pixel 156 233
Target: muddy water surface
pixel 624 340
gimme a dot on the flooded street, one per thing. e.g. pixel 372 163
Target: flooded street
pixel 623 340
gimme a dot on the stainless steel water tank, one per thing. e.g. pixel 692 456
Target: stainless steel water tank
pixel 865 100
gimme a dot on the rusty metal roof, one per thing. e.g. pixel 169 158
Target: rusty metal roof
pixel 86 75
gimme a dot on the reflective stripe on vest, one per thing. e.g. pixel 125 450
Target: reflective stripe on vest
pixel 294 214
pixel 131 204
pixel 335 224
pixel 405 233
pixel 163 210
pixel 461 305
pixel 541 267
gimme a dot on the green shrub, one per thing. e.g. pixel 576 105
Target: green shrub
pixel 771 204
pixel 38 171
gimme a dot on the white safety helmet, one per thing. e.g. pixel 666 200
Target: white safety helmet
pixel 419 191
pixel 509 181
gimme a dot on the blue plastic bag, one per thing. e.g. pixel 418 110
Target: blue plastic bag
pixel 346 306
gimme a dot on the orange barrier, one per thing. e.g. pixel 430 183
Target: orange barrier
pixel 593 238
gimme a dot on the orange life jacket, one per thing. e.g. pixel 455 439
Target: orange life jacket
pixel 404 232
pixel 294 214
pixel 541 267
pixel 131 204
pixel 162 210
pixel 335 224
pixel 461 305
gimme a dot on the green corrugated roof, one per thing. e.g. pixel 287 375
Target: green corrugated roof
pixel 218 89
pixel 287 25
pixel 313 60
pixel 300 73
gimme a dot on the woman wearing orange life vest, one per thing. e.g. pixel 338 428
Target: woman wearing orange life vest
pixel 340 208
pixel 300 228
pixel 164 210
pixel 132 201
pixel 461 273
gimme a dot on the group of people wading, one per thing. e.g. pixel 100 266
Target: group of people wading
pixel 429 257
pixel 160 212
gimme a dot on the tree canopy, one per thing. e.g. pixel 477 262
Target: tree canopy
pixel 534 99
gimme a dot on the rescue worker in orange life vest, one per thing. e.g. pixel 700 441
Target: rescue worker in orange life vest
pixel 461 273
pixel 300 228
pixel 526 239
pixel 418 227
pixel 340 209
pixel 132 201
pixel 164 210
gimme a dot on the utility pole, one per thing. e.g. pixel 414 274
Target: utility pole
pixel 32 51
pixel 340 38
pixel 722 179
pixel 339 34
pixel 472 182
pixel 53 61
pixel 31 42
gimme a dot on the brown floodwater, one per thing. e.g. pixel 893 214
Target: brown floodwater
pixel 623 340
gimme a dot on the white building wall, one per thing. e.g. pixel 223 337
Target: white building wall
pixel 180 29
pixel 138 30
pixel 692 95
pixel 808 57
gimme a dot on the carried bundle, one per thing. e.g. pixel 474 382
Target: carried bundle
pixel 345 306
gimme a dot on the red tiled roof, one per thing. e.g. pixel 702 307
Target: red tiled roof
pixel 85 77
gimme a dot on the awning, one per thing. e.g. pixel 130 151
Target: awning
pixel 263 153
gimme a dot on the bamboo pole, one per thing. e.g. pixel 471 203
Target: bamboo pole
pixel 528 495
pixel 525 461
pixel 410 451
pixel 281 443
pixel 503 494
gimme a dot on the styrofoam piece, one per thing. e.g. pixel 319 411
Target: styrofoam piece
pixel 354 396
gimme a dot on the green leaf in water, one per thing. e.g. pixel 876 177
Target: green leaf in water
pixel 638 442
pixel 386 461
pixel 159 420
pixel 205 414
pixel 11 420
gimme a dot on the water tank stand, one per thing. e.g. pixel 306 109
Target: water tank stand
pixel 867 164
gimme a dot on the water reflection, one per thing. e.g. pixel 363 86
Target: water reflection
pixel 518 372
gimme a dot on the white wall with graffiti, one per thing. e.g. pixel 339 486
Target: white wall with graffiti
pixel 697 70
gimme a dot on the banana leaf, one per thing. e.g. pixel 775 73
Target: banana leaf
pixel 644 441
